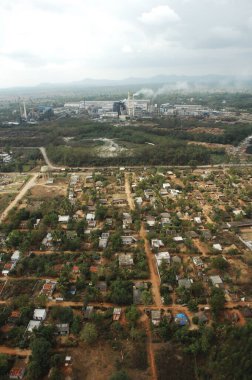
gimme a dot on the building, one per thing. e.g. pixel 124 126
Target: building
pixel 63 218
pixel 162 257
pixel 33 325
pixel 216 281
pixel 185 283
pixel 39 314
pixel 62 329
pixel 156 317
pixel 181 319
pixel 17 373
pixel 125 260
pixel 117 313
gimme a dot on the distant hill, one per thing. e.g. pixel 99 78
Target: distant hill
pixel 163 83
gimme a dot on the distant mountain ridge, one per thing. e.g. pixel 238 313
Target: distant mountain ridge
pixel 158 79
pixel 169 82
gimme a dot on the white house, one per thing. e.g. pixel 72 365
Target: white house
pixel 33 325
pixel 15 256
pixel 156 243
pixel 63 218
pixel 39 314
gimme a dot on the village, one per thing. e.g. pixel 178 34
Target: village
pixel 101 258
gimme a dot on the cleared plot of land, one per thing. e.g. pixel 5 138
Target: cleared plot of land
pixel 99 362
pixel 212 131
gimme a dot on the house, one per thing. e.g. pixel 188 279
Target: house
pixel 48 240
pixel 7 268
pixel 125 260
pixel 127 240
pixel 181 319
pixel 192 235
pixel 90 217
pixel 71 235
pixel 185 283
pixel 109 221
pixel 238 212
pixel 138 288
pixel 174 192
pixel 88 312
pixel 217 247
pixel 139 201
pixel 206 234
pixel 35 225
pixel 15 256
pixel 216 281
pixel 48 288
pixel 148 193
pixel 162 257
pixel 178 239
pixel 102 286
pixel 156 317
pixel 176 260
pixel 165 221
pixel 156 243
pixel 33 325
pixel 197 220
pixel 151 221
pixel 63 218
pixel 62 329
pixel 202 317
pixel 166 185
pixel 198 262
pixel 127 220
pixel 117 313
pixel 246 312
pixel 39 314
pixel 76 269
pixel 14 317
pixel 68 361
pixel 103 240
pixel 17 373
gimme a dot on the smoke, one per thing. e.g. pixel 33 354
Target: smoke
pixel 166 89
pixel 147 92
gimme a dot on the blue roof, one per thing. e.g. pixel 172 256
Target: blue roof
pixel 181 319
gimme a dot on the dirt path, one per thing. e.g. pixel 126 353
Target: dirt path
pixel 150 350
pixel 20 195
pixel 201 247
pixel 207 210
pixel 154 278
pixel 128 193
pixel 14 351
pixel 48 162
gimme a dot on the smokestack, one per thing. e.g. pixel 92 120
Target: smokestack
pixel 131 105
pixel 25 113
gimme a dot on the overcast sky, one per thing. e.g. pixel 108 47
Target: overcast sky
pixel 67 40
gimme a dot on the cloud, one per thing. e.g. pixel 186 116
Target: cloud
pixel 25 58
pixel 159 15
pixel 68 40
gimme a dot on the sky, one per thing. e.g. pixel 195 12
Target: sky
pixel 58 41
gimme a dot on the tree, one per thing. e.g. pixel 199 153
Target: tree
pixel 89 333
pixel 132 314
pixel 220 263
pixel 121 292
pixel 120 375
pixel 3 364
pixel 40 359
pixel 217 301
pixel 76 325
